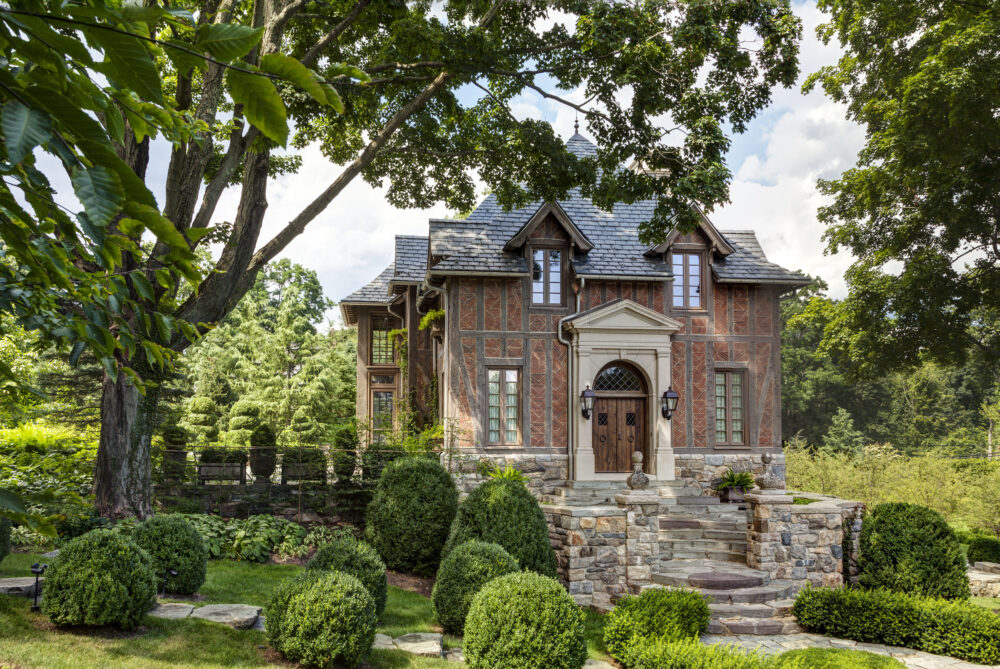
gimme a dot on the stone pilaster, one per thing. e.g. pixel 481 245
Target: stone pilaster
pixel 642 532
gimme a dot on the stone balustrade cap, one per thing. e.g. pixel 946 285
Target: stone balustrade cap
pixel 583 511
pixel 637 497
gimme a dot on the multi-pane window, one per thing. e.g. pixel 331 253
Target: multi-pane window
pixel 382 353
pixel 730 408
pixel 504 419
pixel 381 414
pixel 546 276
pixel 687 280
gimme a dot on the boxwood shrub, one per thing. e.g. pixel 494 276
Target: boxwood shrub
pixel 100 578
pixel 503 512
pixel 4 538
pixel 910 548
pixel 358 559
pixel 939 626
pixel 410 514
pixel 524 621
pixel 690 654
pixel 175 546
pixel 669 615
pixel 463 573
pixel 321 618
pixel 984 549
pixel 835 658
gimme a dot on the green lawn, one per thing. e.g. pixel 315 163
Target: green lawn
pixel 991 603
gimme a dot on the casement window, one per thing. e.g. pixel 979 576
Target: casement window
pixel 504 407
pixel 382 353
pixel 730 408
pixel 687 269
pixel 382 407
pixel 546 276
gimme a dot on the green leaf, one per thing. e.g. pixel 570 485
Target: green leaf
pixel 78 349
pixel 142 285
pixel 291 69
pixel 333 98
pixel 158 224
pixel 261 104
pixel 132 63
pixel 100 191
pixel 194 234
pixel 131 227
pixel 9 501
pixel 183 60
pixel 24 129
pixel 340 69
pixel 227 41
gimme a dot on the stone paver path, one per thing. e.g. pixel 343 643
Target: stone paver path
pixel 779 643
pixel 237 616
pixel 22 586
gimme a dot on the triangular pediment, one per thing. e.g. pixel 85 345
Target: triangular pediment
pixel 623 316
pixel 547 209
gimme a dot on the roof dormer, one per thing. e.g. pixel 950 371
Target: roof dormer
pixel 718 244
pixel 576 236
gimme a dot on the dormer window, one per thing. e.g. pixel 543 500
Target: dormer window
pixel 546 276
pixel 687 269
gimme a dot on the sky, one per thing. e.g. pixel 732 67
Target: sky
pixel 775 164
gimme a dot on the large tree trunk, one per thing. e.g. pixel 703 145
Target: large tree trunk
pixel 122 482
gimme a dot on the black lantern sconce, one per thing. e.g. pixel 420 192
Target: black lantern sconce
pixel 37 569
pixel 668 402
pixel 587 402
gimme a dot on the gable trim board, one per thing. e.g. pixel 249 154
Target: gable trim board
pixel 577 238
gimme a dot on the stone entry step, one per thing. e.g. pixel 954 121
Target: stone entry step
pixel 22 586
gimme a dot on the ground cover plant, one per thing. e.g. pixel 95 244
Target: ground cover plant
pixel 688 653
pixel 657 614
pixel 411 513
pixel 835 658
pixel 358 559
pixel 462 574
pixel 502 511
pixel 524 620
pixel 939 626
pixel 179 555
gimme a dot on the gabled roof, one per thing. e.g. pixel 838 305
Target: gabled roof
pixel 375 293
pixel 720 244
pixel 748 264
pixel 410 261
pixel 553 209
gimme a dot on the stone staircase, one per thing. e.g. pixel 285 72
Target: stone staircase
pixel 584 493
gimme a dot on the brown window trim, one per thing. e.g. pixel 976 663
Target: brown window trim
pixel 371 410
pixel 744 379
pixel 393 324
pixel 504 443
pixel 687 250
pixel 547 245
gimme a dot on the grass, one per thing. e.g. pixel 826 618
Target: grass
pixel 991 603
pixel 835 658
pixel 232 582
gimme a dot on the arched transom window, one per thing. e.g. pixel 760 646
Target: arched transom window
pixel 618 379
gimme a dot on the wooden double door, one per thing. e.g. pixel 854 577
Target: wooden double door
pixel 619 429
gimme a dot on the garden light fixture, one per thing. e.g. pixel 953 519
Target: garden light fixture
pixel 587 402
pixel 37 569
pixel 668 402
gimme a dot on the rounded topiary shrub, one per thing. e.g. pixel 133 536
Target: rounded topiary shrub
pixel 175 546
pixel 462 574
pixel 100 578
pixel 524 621
pixel 981 549
pixel 410 514
pixel 670 615
pixel 321 618
pixel 358 559
pixel 504 512
pixel 4 538
pixel 910 548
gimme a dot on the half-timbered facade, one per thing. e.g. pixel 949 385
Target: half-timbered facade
pixel 543 302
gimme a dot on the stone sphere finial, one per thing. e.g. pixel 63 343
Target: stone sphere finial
pixel 637 480
pixel 766 458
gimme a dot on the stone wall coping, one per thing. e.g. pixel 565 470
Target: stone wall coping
pixel 583 511
pixel 823 503
pixel 637 497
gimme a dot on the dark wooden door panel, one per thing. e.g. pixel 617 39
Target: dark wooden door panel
pixel 619 429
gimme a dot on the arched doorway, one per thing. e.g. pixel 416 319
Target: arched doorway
pixel 620 422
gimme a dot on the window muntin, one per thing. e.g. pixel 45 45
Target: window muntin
pixel 382 353
pixel 687 280
pixel 383 380
pixel 618 379
pixel 730 408
pixel 546 276
pixel 504 403
pixel 382 406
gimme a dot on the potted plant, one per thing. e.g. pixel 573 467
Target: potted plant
pixel 218 463
pixel 732 485
pixel 175 454
pixel 263 452
pixel 303 463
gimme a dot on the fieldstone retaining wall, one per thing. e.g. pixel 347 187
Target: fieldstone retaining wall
pixel 605 552
pixel 984 580
pixel 705 470
pixel 803 541
pixel 545 471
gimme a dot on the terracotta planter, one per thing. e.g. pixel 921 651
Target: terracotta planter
pixel 174 464
pixel 263 462
pixel 732 495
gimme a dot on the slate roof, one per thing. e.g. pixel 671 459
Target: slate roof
pixel 475 245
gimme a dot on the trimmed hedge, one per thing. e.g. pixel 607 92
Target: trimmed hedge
pixel 938 626
pixel 411 513
pixel 503 512
pixel 984 549
pixel 835 658
pixel 659 614
pixel 174 545
pixel 690 654
pixel 101 578
pixel 524 621
pixel 910 548
pixel 463 573
pixel 4 538
pixel 358 559
pixel 321 618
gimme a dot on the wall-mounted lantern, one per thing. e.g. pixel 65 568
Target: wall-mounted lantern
pixel 668 402
pixel 587 402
